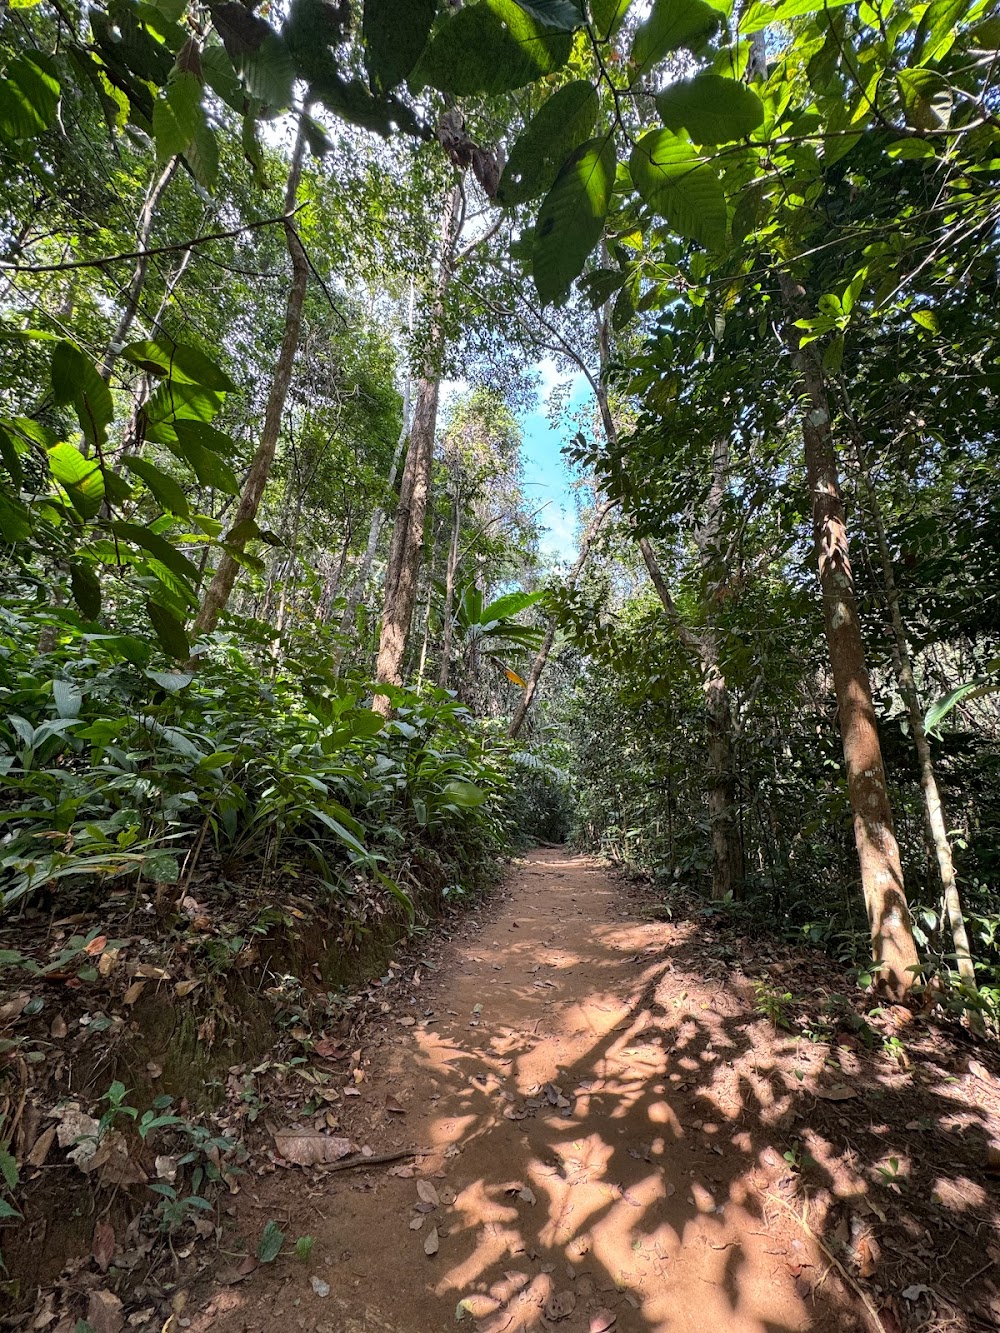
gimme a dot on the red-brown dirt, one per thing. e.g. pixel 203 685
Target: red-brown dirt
pixel 604 1128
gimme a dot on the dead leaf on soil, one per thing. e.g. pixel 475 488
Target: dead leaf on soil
pixel 58 1027
pixel 417 1222
pixel 41 1147
pixel 103 1248
pixel 183 988
pixel 96 945
pixel 527 1194
pixel 104 1312
pixel 407 1022
pixel 427 1193
pixel 311 1149
pixel 150 972
pixel 393 1107
pixel 602 1320
pixel 560 1306
pixel 330 1049
pixel 431 1244
pixel 133 992
pixel 840 1092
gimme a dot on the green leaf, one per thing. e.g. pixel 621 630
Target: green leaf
pixel 490 47
pixel 680 186
pixel 10 454
pixel 566 14
pixel 177 114
pixel 304 1247
pixel 257 52
pixel 202 156
pixel 165 490
pixel 179 361
pixel 196 444
pixel 86 589
pixel 8 1210
pixel 171 681
pixel 15 521
pixel 926 97
pixel 8 1167
pixel 174 402
pixel 464 794
pixel 29 96
pixel 159 548
pixel 272 1238
pixel 395 33
pixel 159 867
pixel 712 109
pixel 170 632
pixel 571 219
pixel 671 25
pixel 607 15
pixel 75 380
pixel 927 319
pixel 759 16
pixel 68 698
pixel 81 478
pixel 561 124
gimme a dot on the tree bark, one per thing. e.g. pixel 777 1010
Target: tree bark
pixel 406 547
pixel 542 656
pixel 933 808
pixel 447 626
pixel 217 595
pixel 893 947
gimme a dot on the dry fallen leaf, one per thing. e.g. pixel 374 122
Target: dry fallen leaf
pixel 417 1222
pixel 311 1149
pixel 528 1195
pixel 133 992
pixel 602 1320
pixel 427 1193
pixel 431 1244
pixel 103 1248
pixel 41 1147
pixel 96 945
pixel 560 1306
pixel 58 1027
pixel 407 1022
pixel 330 1049
pixel 151 972
pixel 183 988
pixel 840 1092
pixel 393 1107
pixel 104 1312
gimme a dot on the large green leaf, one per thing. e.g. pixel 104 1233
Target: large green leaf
pixel 29 95
pixel 15 520
pixel 510 605
pixel 926 97
pixel 491 46
pixel 395 33
pixel 167 492
pixel 199 445
pixel 81 478
pixel 761 15
pixel 179 361
pixel 86 588
pixel 176 401
pixel 257 52
pixel 567 14
pixel 680 186
pixel 564 122
pixel 202 156
pixel 170 632
pixel 159 548
pixel 671 25
pixel 712 109
pixel 571 219
pixel 607 16
pixel 75 380
pixel 177 114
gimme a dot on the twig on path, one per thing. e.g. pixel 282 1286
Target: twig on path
pixel 377 1159
pixel 856 1287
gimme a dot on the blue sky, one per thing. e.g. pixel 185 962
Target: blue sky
pixel 548 480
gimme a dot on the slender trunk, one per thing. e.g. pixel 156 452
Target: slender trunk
pixel 893 947
pixel 134 296
pixel 933 808
pixel 449 587
pixel 406 548
pixel 374 533
pixel 542 656
pixel 221 586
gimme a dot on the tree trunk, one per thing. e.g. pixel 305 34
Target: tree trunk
pixel 131 309
pixel 893 947
pixel 374 532
pixel 542 656
pixel 406 548
pixel 221 586
pixel 933 808
pixel 449 587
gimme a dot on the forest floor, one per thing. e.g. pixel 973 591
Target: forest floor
pixel 626 1124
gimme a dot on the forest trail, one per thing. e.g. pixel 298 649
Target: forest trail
pixel 593 1107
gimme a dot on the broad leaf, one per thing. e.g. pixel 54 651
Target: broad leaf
pixel 29 95
pixel 177 115
pixel 86 589
pixel 675 182
pixel 167 492
pixel 712 109
pixel 571 219
pixel 490 47
pixel 395 33
pixel 159 548
pixel 561 124
pixel 607 15
pixel 75 380
pixel 199 445
pixel 257 52
pixel 179 361
pixel 761 15
pixel 464 794
pixel 81 478
pixel 171 634
pixel 566 14
pixel 927 99
pixel 671 25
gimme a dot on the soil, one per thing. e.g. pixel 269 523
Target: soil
pixel 614 1131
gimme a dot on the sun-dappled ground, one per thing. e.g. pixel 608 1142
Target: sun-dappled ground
pixel 613 1135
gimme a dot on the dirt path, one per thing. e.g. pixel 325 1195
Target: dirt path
pixel 603 1142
